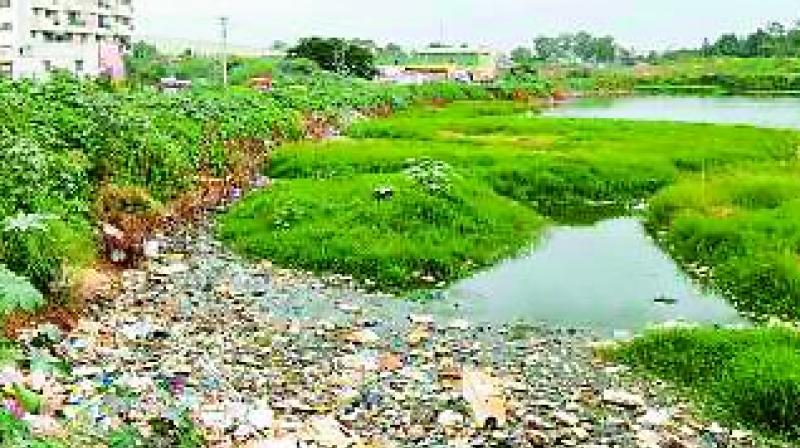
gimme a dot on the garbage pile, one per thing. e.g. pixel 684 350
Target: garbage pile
pixel 254 356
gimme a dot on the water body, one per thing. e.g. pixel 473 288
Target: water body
pixel 611 275
pixel 756 111
pixel 607 276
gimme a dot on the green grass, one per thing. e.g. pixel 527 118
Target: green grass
pixel 746 377
pixel 744 223
pixel 555 167
pixel 337 225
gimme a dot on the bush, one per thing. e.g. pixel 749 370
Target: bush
pixel 39 247
pixel 60 179
pixel 17 294
pixel 114 203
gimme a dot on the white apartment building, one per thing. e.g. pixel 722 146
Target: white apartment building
pixel 81 36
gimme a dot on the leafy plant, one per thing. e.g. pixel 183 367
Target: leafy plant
pixel 39 246
pixel 17 294
pixel 181 433
pixel 432 175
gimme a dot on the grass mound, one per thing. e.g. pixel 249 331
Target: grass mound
pixel 747 377
pixel 427 230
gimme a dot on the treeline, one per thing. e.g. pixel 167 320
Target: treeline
pixel 354 58
pixel 773 40
pixel 572 48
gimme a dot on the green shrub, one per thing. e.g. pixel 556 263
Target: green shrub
pixel 40 247
pixel 17 294
pixel 60 179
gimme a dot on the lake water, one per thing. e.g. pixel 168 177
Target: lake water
pixel 611 275
pixel 607 276
pixel 757 111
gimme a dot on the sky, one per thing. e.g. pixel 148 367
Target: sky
pixel 503 24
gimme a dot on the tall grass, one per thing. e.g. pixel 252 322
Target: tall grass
pixel 747 377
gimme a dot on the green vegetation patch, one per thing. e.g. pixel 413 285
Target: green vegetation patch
pixel 559 168
pixel 749 377
pixel 744 224
pixel 402 230
pixel 695 76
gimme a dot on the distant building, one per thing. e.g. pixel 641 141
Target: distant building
pixel 443 63
pixel 178 47
pixel 85 37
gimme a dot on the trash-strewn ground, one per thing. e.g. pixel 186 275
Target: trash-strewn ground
pixel 259 357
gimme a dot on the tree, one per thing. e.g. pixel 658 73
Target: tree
pixel 521 55
pixel 144 64
pixel 546 48
pixel 727 45
pixel 605 49
pixel 580 46
pixel 279 45
pixel 336 55
pixel 392 52
pixel 707 49
pixel 756 45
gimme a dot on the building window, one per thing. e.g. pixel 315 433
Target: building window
pixel 6 26
pixel 6 69
pixel 5 3
pixel 48 66
pixel 79 66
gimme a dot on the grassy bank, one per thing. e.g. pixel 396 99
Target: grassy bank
pixel 551 166
pixel 745 377
pixel 743 224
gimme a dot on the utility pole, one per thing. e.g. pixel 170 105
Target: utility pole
pixel 223 21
